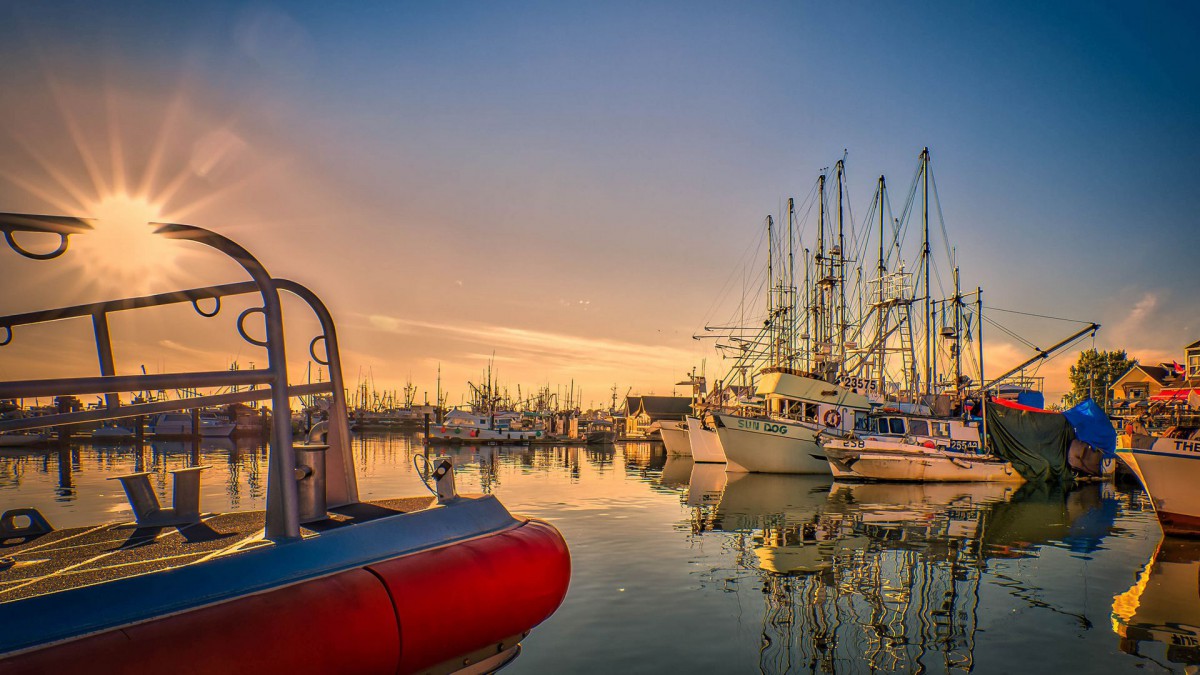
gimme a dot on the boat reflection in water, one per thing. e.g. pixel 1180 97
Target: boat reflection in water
pixel 1162 608
pixel 888 576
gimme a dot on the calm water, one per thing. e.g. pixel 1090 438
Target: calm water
pixel 678 568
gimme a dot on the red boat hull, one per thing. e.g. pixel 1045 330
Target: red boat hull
pixel 398 616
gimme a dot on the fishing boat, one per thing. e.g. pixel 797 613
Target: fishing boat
pixel 180 424
pixel 599 432
pixel 777 443
pixel 909 460
pixel 461 426
pixel 675 438
pixel 320 581
pixel 1168 468
pixel 704 441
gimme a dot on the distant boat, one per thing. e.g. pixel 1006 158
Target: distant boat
pixel 180 424
pixel 461 426
pixel 112 430
pixel 22 440
pixel 600 432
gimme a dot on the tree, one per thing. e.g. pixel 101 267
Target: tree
pixel 1094 373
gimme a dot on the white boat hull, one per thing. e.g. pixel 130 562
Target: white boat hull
pixel 769 446
pixel 675 439
pixel 1169 471
pixel 706 446
pixel 887 460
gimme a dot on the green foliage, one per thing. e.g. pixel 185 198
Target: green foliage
pixel 1094 373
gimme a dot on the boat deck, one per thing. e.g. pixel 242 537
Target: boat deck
pixel 71 558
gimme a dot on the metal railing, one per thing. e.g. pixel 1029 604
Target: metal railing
pixel 282 520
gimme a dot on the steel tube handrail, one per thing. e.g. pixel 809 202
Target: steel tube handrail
pixel 108 306
pixel 117 383
pixel 155 407
pixel 283 515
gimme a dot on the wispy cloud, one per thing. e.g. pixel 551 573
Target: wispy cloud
pixel 579 352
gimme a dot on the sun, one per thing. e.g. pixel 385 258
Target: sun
pixel 123 251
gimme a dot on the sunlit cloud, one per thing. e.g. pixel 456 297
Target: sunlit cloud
pixel 557 349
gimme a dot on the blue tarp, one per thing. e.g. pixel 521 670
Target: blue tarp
pixel 1093 427
pixel 1033 399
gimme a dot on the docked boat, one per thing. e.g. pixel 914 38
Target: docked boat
pixel 705 443
pixel 22 440
pixel 461 426
pixel 675 438
pixel 180 424
pixel 599 432
pixel 1168 468
pixel 893 447
pixel 776 443
pixel 112 431
pixel 321 581
pixel 887 459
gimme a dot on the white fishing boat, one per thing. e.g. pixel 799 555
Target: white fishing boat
pixel 1169 469
pixel 705 443
pixel 675 438
pixel 461 426
pixel 778 443
pixel 889 459
pixel 915 448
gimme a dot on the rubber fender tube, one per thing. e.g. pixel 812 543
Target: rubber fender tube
pixel 453 600
pixel 343 623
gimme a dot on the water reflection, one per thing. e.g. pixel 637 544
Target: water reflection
pixel 871 577
pixel 1159 616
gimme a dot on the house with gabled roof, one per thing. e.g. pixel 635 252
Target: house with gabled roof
pixel 642 411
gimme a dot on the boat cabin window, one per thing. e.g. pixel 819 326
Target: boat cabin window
pixel 810 411
pixel 918 427
pixel 941 429
pixel 896 424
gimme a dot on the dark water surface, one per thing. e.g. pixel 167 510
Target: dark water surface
pixel 682 567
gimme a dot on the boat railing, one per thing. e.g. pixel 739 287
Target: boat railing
pixel 282 516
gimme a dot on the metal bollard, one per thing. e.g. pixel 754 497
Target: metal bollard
pixel 443 479
pixel 310 481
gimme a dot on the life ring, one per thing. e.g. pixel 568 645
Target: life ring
pixel 474 433
pixel 832 418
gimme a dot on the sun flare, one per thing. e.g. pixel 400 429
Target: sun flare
pixel 123 250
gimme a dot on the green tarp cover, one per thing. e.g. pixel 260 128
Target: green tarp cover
pixel 1035 442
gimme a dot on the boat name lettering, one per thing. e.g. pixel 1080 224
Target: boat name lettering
pixel 763 426
pixel 1187 446
pixel 964 445
pixel 854 443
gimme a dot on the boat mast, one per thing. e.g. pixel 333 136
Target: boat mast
pixel 957 335
pixel 791 289
pixel 820 305
pixel 879 338
pixel 982 381
pixel 771 290
pixel 925 254
pixel 841 272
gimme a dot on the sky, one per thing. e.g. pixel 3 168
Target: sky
pixel 570 190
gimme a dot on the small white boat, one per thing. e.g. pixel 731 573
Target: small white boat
pixel 180 424
pixel 675 438
pixel 461 426
pixel 1169 469
pixel 706 445
pixel 889 459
